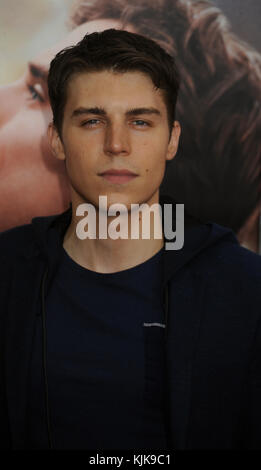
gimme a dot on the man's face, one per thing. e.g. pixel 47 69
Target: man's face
pixel 32 181
pixel 115 121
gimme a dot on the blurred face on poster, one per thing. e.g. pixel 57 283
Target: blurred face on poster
pixel 33 182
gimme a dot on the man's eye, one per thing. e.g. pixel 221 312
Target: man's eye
pixel 141 123
pixel 36 91
pixel 90 122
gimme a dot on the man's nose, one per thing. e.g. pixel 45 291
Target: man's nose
pixel 117 140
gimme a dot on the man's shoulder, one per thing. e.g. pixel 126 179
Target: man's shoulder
pixel 16 234
pixel 17 241
pixel 232 262
pixel 24 237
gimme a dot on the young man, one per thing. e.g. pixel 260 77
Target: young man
pixel 113 342
pixel 220 78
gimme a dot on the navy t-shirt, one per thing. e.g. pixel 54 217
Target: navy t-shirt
pixel 105 360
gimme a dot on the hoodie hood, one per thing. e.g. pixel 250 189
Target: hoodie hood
pixel 198 236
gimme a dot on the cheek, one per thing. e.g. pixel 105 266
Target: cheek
pixel 11 99
pixel 24 145
pixel 32 181
pixel 80 166
pixel 154 160
pixel 80 152
pixel 154 174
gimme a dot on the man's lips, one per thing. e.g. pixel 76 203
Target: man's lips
pixel 118 176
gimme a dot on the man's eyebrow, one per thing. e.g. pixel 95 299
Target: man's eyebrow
pixel 139 111
pixel 38 71
pixel 101 111
pixel 96 110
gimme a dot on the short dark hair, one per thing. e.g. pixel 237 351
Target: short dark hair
pixel 115 50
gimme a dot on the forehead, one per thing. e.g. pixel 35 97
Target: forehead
pixel 113 90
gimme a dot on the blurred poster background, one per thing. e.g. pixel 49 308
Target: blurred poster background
pixel 244 16
pixel 217 170
pixel 27 27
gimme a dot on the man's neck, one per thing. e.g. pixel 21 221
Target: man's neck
pixel 107 255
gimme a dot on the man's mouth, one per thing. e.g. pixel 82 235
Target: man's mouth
pixel 118 176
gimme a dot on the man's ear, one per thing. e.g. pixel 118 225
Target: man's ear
pixel 55 142
pixel 174 141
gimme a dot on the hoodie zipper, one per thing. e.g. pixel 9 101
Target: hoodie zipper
pixel 167 398
pixel 50 444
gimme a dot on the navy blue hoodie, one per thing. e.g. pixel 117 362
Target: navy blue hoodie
pixel 212 299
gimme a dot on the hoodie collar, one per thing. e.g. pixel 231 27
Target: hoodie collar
pixel 49 233
pixel 198 236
